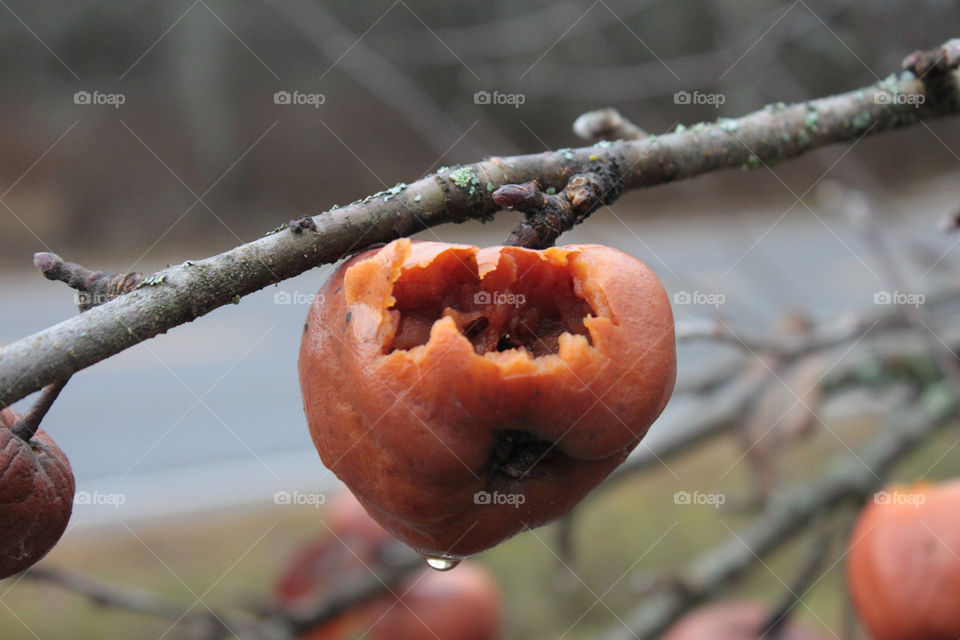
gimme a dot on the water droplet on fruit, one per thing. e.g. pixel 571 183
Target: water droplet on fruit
pixel 442 563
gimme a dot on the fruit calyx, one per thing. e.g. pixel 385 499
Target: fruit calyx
pixel 516 454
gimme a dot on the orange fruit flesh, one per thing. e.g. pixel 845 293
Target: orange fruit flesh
pixel 530 313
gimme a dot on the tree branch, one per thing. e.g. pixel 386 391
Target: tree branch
pixel 806 578
pixel 833 333
pixel 726 401
pixel 203 623
pixel 180 294
pixel 93 287
pixel 850 478
pixel 368 587
pixel 208 623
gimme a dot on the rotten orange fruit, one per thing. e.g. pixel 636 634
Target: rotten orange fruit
pixel 36 496
pixel 465 394
pixel 903 567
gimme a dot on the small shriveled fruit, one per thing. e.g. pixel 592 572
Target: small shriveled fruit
pixel 903 566
pixel 734 620
pixel 36 496
pixel 459 605
pixel 467 394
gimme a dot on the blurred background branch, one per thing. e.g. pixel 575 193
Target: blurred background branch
pixel 850 478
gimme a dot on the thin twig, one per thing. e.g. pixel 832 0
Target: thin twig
pixel 547 216
pixel 800 585
pixel 93 287
pixel 381 78
pixel 366 588
pixel 565 579
pixel 207 623
pixel 27 426
pixel 606 124
pixel 835 332
pixel 272 625
pixel 859 208
pixel 104 593
pixel 715 414
pixel 722 405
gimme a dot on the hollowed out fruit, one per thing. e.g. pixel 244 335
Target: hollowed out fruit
pixel 465 394
pixel 535 307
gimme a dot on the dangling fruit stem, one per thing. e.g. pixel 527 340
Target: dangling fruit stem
pixel 28 425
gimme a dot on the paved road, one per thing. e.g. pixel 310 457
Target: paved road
pixel 210 415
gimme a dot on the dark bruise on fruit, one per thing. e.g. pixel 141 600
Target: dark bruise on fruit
pixel 36 496
pixel 516 455
pixel 479 392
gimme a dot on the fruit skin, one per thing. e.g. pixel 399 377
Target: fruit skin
pixel 36 496
pixel 733 620
pixel 903 570
pixel 416 432
pixel 462 604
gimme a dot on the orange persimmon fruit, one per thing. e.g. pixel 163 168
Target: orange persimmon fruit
pixel 467 394
pixel 903 566
pixel 734 620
